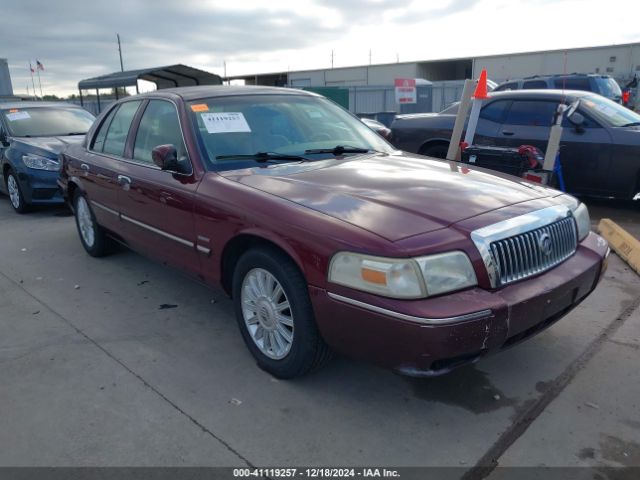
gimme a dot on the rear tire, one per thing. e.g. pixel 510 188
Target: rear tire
pixel 436 151
pixel 275 315
pixel 16 198
pixel 92 236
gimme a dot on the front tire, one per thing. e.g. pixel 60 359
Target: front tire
pixel 275 316
pixel 92 235
pixel 436 151
pixel 16 198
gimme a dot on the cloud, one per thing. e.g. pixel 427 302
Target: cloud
pixel 79 41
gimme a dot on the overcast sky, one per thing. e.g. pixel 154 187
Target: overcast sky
pixel 76 39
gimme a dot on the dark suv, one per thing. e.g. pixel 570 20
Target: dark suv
pixel 601 84
pixel 599 152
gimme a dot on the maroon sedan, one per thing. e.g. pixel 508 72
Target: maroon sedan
pixel 324 235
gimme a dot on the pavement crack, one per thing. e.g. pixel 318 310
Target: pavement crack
pixel 133 372
pixel 489 461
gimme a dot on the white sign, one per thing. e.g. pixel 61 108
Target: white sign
pixel 225 122
pixel 12 117
pixel 405 90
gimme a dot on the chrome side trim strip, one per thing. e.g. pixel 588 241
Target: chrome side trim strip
pixel 411 318
pixel 184 242
pixel 104 207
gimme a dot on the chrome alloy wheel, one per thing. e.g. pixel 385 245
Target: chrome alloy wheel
pixel 267 313
pixel 14 192
pixel 85 222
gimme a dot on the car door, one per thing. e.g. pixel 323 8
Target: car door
pixel 528 122
pixel 99 166
pixel 157 206
pixel 490 122
pixel 586 156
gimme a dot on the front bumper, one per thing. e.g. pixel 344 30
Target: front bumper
pixel 431 336
pixel 40 187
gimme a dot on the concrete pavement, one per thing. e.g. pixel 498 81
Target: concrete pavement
pixel 95 371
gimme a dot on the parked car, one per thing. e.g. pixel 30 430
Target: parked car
pixel 601 84
pixel 377 127
pixel 324 235
pixel 32 134
pixel 600 143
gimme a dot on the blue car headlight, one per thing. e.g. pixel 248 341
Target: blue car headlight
pixel 40 163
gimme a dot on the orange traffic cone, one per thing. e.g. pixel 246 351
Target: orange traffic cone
pixel 481 88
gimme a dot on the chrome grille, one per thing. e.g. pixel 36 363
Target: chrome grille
pixel 535 251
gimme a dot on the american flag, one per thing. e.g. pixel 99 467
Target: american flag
pixel 39 66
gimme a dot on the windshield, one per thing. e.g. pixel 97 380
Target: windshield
pixel 608 112
pixel 609 87
pixel 290 125
pixel 47 121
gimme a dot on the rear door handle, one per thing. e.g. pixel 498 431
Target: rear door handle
pixel 505 132
pixel 85 167
pixel 123 180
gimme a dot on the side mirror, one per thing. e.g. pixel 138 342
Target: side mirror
pixel 576 119
pixel 165 157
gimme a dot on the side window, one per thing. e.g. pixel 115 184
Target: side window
pixel 495 111
pixel 531 113
pixel 159 126
pixel 98 140
pixel 119 129
pixel 573 84
pixel 507 86
pixel 534 84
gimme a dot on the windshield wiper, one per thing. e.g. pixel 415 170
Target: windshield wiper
pixel 632 124
pixel 339 150
pixel 263 157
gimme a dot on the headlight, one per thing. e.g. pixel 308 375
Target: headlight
pixel 583 221
pixel 580 213
pixel 447 272
pixel 40 163
pixel 403 278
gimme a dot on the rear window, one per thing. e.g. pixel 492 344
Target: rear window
pixel 608 87
pixel 534 84
pixel 507 86
pixel 569 83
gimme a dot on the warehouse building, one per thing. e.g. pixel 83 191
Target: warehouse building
pixel 620 61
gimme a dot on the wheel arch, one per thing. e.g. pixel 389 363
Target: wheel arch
pixel 433 142
pixel 245 241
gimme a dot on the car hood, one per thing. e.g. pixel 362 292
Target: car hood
pixel 53 145
pixel 394 196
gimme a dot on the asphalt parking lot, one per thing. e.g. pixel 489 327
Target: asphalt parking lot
pixel 121 361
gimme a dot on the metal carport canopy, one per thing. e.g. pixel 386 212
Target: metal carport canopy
pixel 164 77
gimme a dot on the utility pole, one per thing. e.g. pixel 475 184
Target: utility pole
pixel 369 56
pixel 120 52
pixel 332 55
pixel 397 58
pixel 224 62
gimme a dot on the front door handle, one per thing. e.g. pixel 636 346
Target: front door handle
pixel 124 181
pixel 507 133
pixel 84 167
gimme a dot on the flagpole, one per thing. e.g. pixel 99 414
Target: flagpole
pixel 32 82
pixel 39 82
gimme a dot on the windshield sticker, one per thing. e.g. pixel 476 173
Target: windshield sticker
pixel 12 117
pixel 225 122
pixel 314 114
pixel 200 107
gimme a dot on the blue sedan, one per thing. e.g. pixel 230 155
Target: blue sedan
pixel 32 134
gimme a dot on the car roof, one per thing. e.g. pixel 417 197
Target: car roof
pixel 36 104
pixel 194 93
pixel 542 94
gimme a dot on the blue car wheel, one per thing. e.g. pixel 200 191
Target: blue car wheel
pixel 15 193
